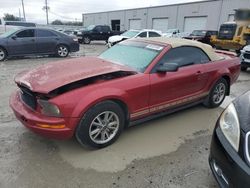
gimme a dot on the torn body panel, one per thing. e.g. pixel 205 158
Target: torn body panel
pixel 49 77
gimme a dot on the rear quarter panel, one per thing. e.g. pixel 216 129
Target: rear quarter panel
pixel 228 67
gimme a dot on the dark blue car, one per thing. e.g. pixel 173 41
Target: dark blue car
pixel 36 41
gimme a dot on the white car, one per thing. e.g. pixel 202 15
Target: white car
pixel 245 58
pixel 171 33
pixel 145 33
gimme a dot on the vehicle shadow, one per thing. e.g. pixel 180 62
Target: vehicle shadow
pixel 153 138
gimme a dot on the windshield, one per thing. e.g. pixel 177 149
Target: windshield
pixel 130 34
pixel 136 55
pixel 198 33
pixel 8 33
pixel 90 27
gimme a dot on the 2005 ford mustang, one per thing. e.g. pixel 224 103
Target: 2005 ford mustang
pixel 94 98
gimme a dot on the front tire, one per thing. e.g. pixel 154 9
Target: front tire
pixel 3 54
pixel 86 40
pixel 62 50
pixel 101 125
pixel 217 94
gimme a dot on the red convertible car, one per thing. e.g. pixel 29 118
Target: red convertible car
pixel 95 98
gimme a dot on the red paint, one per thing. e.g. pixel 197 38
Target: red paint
pixel 140 92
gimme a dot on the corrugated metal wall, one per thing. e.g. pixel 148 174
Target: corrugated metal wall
pixel 216 11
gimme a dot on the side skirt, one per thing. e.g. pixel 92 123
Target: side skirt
pixel 163 113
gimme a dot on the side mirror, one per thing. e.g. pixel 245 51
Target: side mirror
pixel 168 67
pixel 14 37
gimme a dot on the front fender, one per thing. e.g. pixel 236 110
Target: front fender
pixel 92 98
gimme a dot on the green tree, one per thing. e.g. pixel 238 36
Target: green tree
pixel 73 23
pixel 57 22
pixel 10 17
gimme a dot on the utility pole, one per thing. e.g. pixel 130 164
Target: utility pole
pixel 24 17
pixel 46 9
pixel 20 14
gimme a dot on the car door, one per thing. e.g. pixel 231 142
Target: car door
pixel 106 32
pixel 23 42
pixel 46 40
pixel 97 33
pixel 188 81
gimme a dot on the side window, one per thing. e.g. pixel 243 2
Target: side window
pixel 98 28
pixel 25 33
pixel 143 34
pixel 44 33
pixel 184 56
pixel 154 34
pixel 105 29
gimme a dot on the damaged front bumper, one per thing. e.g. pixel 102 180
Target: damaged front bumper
pixel 50 127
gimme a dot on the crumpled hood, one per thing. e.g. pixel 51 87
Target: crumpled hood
pixel 49 77
pixel 116 38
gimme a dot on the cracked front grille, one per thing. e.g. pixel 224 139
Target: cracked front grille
pixel 28 97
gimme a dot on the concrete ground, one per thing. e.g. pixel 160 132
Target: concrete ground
pixel 171 151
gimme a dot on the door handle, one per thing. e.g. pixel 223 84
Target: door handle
pixel 198 72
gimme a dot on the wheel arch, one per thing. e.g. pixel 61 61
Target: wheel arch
pixel 228 80
pixel 118 96
pixel 61 43
pixel 86 35
pixel 4 49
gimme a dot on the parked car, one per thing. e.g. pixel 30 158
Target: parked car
pixel 9 25
pixel 245 58
pixel 69 31
pixel 182 34
pixel 171 33
pixel 95 32
pixel 34 41
pixel 203 36
pixel 94 98
pixel 230 150
pixel 145 33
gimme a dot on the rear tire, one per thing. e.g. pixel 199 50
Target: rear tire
pixel 217 94
pixel 3 54
pixel 62 50
pixel 101 125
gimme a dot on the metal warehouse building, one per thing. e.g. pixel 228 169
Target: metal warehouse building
pixel 186 17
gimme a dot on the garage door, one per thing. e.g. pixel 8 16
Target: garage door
pixel 160 24
pixel 194 23
pixel 135 24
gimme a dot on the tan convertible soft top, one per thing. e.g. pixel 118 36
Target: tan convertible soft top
pixel 177 42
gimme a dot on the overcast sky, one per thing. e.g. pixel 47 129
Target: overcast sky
pixel 69 10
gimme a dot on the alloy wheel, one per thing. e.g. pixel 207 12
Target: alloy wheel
pixel 62 51
pixel 86 40
pixel 219 93
pixel 104 127
pixel 2 54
